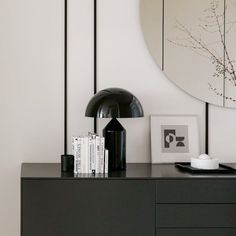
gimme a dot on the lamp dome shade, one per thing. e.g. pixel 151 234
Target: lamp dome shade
pixel 114 103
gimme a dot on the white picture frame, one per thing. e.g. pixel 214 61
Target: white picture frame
pixel 174 138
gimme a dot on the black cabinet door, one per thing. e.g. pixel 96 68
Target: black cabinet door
pixel 88 207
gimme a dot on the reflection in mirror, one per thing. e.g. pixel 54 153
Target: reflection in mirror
pixel 193 42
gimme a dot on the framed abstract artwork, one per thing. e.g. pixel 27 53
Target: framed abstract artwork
pixel 174 138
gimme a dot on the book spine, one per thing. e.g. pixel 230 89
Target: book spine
pixel 102 154
pixel 86 155
pixel 90 154
pixel 93 154
pixel 82 155
pixel 74 144
pixel 79 143
pixel 106 161
pixel 77 155
pixel 97 157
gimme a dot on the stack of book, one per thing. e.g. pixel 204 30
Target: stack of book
pixel 90 156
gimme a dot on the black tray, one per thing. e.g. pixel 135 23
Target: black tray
pixel 186 166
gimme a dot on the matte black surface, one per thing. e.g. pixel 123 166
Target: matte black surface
pixel 197 191
pixel 115 143
pixel 195 215
pixel 196 232
pixel 114 103
pixel 134 170
pixel 88 208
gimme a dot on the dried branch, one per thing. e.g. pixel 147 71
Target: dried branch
pixel 212 23
pixel 220 93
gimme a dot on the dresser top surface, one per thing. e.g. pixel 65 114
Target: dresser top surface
pixel 134 171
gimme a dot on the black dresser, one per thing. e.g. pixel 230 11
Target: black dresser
pixel 146 200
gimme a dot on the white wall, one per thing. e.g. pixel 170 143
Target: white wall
pixel 31 102
pixel 124 61
pixel 31 76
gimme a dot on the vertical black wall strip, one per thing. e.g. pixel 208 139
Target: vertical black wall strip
pixel 163 34
pixel 207 128
pixel 95 57
pixel 65 79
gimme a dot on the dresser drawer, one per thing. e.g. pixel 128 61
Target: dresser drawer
pixel 196 191
pixel 195 215
pixel 196 232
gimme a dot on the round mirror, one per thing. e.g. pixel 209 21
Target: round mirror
pixel 193 41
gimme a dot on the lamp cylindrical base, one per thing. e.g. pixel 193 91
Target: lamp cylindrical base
pixel 115 143
pixel 67 163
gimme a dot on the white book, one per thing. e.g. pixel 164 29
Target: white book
pixel 93 154
pixel 86 155
pixel 79 143
pixel 74 140
pixel 76 148
pixel 106 161
pixel 92 140
pixel 81 157
pixel 102 154
pixel 97 155
pixel 90 154
pixel 83 147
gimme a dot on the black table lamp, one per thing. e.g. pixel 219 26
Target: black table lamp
pixel 115 103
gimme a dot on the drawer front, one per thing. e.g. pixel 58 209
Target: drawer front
pixel 196 191
pixel 195 215
pixel 196 232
